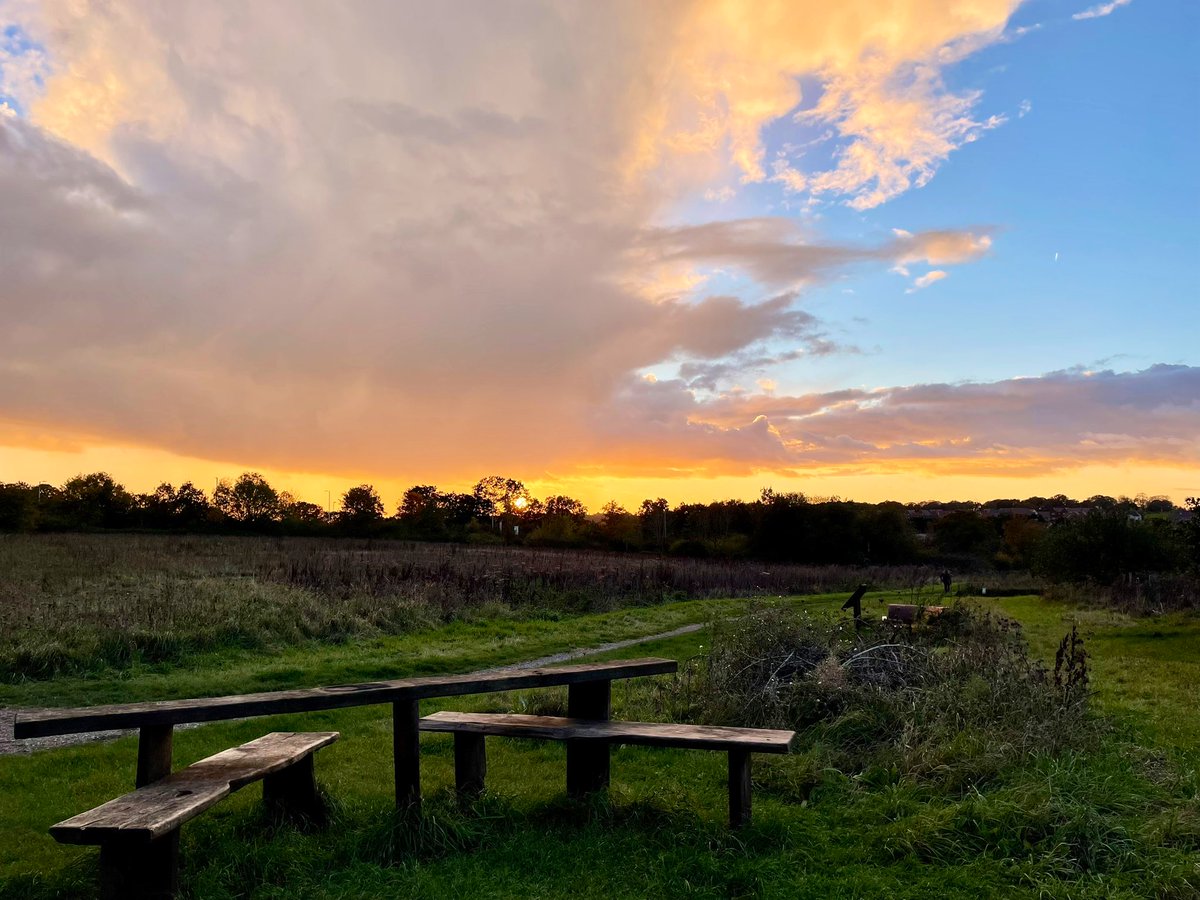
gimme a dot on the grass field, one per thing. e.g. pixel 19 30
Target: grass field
pixel 1119 818
pixel 89 603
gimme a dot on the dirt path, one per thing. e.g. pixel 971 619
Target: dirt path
pixel 8 745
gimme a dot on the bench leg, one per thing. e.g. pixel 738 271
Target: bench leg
pixel 588 761
pixel 154 753
pixel 739 788
pixel 470 765
pixel 140 870
pixel 291 793
pixel 406 752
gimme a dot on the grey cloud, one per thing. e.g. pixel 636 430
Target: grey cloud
pixel 296 257
pixel 717 326
pixel 778 253
pixel 1054 418
pixel 1060 420
pixel 710 375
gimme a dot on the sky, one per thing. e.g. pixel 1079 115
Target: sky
pixel 877 250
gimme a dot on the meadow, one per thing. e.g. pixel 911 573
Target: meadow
pixel 1105 803
pixel 76 603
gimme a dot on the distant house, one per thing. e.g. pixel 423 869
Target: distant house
pixel 1009 512
pixel 928 512
pixel 1064 513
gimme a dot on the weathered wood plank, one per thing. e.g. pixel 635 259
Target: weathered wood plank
pixel 588 762
pixel 161 807
pixel 44 722
pixel 406 752
pixel 155 743
pixel 291 793
pixel 739 788
pixel 653 734
pixel 470 765
pixel 140 870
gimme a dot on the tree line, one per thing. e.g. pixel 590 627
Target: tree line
pixel 1115 536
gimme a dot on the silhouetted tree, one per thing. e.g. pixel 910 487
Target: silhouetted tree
pixel 1191 533
pixel 18 507
pixel 965 532
pixel 618 526
pixel 250 500
pixel 560 505
pixel 501 496
pixel 1104 544
pixel 425 513
pixel 563 523
pixel 170 507
pixel 301 511
pixel 1021 539
pixel 362 504
pixel 652 517
pixel 95 501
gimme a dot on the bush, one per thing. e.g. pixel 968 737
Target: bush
pixel 954 700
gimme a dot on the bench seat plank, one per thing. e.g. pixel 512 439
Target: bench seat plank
pixel 161 807
pixel 653 734
pixel 45 722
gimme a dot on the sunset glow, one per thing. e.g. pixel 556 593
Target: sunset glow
pixel 905 250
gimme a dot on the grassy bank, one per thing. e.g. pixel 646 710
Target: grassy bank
pixel 1118 819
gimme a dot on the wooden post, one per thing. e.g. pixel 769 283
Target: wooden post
pixel 855 604
pixel 588 760
pixel 470 765
pixel 154 753
pixel 291 793
pixel 140 870
pixel 406 752
pixel 739 788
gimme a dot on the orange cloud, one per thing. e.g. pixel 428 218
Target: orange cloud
pixel 349 239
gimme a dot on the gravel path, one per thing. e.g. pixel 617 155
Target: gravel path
pixel 9 745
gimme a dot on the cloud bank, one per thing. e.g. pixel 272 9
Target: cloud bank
pixel 432 239
pixel 1020 426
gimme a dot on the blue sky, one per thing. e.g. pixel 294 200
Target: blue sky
pixel 1100 171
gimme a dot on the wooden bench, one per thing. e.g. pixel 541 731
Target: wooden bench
pixel 589 695
pixel 589 692
pixel 591 771
pixel 138 833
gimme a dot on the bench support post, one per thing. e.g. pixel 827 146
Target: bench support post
pixel 154 753
pixel 406 752
pixel 140 870
pixel 739 788
pixel 470 765
pixel 588 761
pixel 291 793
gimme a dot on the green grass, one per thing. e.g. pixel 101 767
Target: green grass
pixel 1146 672
pixel 1119 821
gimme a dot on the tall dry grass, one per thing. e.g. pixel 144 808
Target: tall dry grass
pixel 75 602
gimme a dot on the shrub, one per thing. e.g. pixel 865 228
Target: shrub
pixel 954 700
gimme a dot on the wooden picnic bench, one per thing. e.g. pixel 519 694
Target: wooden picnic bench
pixel 589 693
pixel 470 756
pixel 138 833
pixel 148 819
